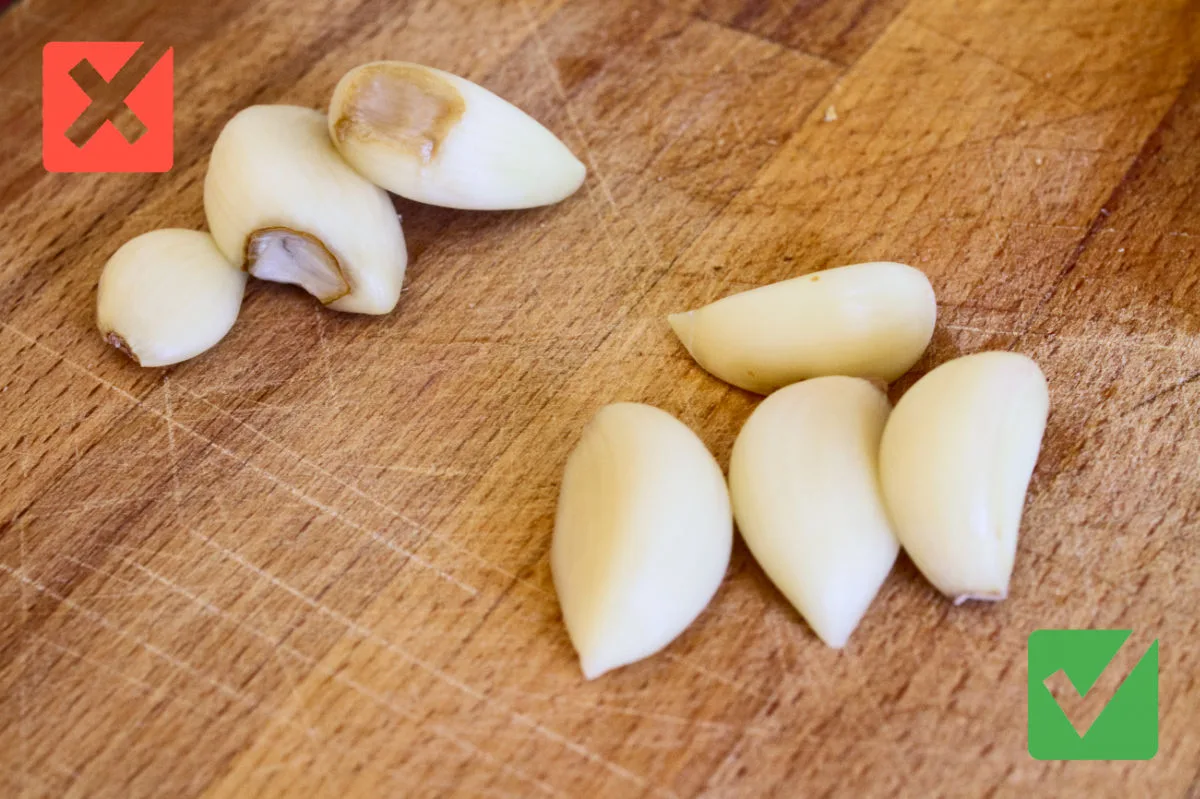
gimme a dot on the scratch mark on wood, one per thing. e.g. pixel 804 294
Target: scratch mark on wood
pixel 368 634
pixel 172 454
pixel 163 693
pixel 23 667
pixel 666 718
pixel 270 477
pixel 277 646
pixel 1178 384
pixel 331 384
pixel 710 674
pixel 569 110
pixel 358 492
pixel 116 629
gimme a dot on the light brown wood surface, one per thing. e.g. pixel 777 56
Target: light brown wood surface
pixel 313 562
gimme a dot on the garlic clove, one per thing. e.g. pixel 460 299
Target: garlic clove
pixel 870 320
pixel 283 205
pixel 440 139
pixel 642 535
pixel 167 296
pixel 955 462
pixel 804 480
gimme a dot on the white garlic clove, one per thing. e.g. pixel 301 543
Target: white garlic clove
pixel 642 535
pixel 804 480
pixel 283 205
pixel 868 320
pixel 955 462
pixel 437 138
pixel 167 296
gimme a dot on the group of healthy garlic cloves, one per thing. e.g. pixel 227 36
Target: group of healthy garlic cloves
pixel 296 196
pixel 826 481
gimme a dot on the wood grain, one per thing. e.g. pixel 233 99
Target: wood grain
pixel 313 562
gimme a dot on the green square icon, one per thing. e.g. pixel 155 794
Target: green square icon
pixel 1127 727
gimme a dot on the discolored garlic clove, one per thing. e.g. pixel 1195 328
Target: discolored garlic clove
pixel 804 481
pixel 955 462
pixel 167 296
pixel 870 320
pixel 642 535
pixel 283 205
pixel 437 138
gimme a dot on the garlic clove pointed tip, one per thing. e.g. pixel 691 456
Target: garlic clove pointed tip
pixel 835 643
pixel 589 640
pixel 573 176
pixel 681 324
pixel 833 634
pixel 594 666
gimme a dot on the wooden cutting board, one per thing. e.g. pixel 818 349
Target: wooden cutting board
pixel 313 562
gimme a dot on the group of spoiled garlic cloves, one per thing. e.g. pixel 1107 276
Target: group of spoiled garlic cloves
pixel 296 196
pixel 826 480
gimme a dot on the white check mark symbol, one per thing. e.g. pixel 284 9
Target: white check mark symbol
pixel 1082 709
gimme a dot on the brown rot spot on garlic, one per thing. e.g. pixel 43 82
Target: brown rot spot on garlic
pixel 290 256
pixel 406 105
pixel 115 340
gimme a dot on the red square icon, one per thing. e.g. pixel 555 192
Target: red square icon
pixel 87 128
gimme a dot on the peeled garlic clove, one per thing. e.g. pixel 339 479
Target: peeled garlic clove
pixel 437 138
pixel 642 536
pixel 805 488
pixel 167 296
pixel 282 204
pixel 867 320
pixel 955 462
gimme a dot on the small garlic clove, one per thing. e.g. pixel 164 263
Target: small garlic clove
pixel 167 296
pixel 437 138
pixel 804 480
pixel 868 320
pixel 955 462
pixel 283 205
pixel 642 535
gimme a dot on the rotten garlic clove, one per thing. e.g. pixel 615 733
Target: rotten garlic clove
pixel 868 320
pixel 642 535
pixel 167 296
pixel 283 205
pixel 804 480
pixel 439 139
pixel 955 462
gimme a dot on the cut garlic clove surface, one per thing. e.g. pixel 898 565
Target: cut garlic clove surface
pixel 804 481
pixel 282 204
pixel 955 462
pixel 642 535
pixel 167 296
pixel 868 320
pixel 440 139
